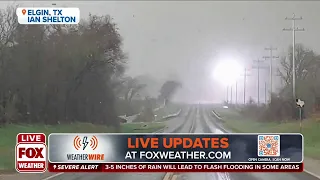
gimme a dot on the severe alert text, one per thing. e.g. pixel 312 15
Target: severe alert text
pixel 175 167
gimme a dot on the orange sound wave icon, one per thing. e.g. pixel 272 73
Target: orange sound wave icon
pixel 77 142
pixel 93 142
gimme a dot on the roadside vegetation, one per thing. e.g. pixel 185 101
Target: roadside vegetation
pixel 55 74
pixel 282 114
pixel 69 78
pixel 237 122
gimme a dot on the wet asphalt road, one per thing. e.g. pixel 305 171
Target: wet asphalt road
pixel 179 124
pixel 194 119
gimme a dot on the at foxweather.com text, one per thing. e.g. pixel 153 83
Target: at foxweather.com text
pixel 178 155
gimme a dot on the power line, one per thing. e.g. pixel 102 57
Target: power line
pixel 265 92
pixel 281 79
pixel 244 84
pixel 258 67
pixel 227 94
pixel 271 57
pixel 231 94
pixel 294 29
pixel 236 92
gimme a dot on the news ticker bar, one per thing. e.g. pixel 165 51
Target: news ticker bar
pixel 31 152
pixel 183 148
pixel 175 167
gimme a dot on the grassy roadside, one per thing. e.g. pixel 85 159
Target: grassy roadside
pixel 9 133
pixel 238 123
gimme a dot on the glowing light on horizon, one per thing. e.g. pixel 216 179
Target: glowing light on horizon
pixel 227 72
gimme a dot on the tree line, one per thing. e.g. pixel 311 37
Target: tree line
pixel 62 73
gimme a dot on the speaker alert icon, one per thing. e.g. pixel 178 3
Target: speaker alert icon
pixel 82 143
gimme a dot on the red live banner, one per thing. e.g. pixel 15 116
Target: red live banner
pixel 176 167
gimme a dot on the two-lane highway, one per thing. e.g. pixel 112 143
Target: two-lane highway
pixel 181 124
pixel 206 124
pixel 195 119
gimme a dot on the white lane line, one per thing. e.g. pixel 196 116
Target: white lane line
pixel 53 176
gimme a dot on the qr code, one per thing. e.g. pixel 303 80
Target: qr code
pixel 269 145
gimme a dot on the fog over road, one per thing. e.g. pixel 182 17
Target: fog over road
pixel 195 119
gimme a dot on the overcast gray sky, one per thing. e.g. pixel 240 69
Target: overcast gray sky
pixel 184 38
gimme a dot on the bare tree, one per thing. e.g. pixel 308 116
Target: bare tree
pixel 307 71
pixel 306 61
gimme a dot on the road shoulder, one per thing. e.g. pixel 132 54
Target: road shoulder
pixel 311 165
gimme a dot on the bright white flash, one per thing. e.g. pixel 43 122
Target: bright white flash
pixel 227 71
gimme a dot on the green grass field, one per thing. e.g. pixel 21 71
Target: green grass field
pixel 8 135
pixel 310 129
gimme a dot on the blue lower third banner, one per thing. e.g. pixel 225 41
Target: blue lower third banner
pixel 175 148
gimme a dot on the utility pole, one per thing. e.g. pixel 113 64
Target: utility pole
pixel 281 80
pixel 271 57
pixel 244 84
pixel 258 67
pixel 227 94
pixel 294 29
pixel 231 94
pixel 236 92
pixel 265 92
